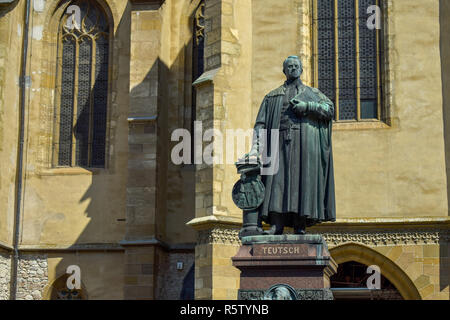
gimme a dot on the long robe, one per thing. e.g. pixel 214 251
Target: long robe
pixel 304 182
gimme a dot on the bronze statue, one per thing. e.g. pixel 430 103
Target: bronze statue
pixel 301 192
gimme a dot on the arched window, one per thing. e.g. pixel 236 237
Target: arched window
pixel 60 291
pixel 198 41
pixel 82 86
pixel 350 283
pixel 198 65
pixel 347 57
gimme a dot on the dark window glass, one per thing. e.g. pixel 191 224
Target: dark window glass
pixel 198 67
pixel 367 63
pixel 326 48
pixel 66 103
pixel 344 45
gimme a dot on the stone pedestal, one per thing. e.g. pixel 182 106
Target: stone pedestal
pixel 284 267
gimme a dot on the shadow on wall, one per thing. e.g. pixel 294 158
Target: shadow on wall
pixel 102 271
pixel 444 13
pixel 444 267
pixel 187 291
pixel 6 8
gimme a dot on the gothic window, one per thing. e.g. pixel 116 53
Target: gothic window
pixel 350 283
pixel 198 50
pixel 82 86
pixel 60 291
pixel 198 41
pixel 347 58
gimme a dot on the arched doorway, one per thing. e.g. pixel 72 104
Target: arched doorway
pixel 350 283
pixel 353 252
pixel 59 290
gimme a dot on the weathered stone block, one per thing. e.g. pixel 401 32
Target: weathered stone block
pixel 150 24
pixel 422 281
pixel 431 251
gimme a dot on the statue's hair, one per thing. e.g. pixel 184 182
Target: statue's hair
pixel 292 57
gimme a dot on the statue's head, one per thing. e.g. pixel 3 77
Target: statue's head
pixel 292 67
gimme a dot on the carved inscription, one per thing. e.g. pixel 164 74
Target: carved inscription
pixel 279 250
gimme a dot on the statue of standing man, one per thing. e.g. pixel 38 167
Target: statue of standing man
pixel 301 192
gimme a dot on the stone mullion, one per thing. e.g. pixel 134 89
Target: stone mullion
pixel 55 145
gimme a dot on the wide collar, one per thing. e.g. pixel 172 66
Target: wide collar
pixel 297 82
pixel 281 90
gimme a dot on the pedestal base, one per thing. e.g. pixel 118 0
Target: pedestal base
pixel 293 267
pixel 300 294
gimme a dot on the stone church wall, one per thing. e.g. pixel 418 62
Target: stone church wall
pixel 5 270
pixel 32 277
pixel 171 282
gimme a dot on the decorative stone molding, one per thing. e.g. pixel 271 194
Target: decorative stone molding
pixel 302 294
pixel 319 294
pixel 386 237
pixel 219 235
pixel 227 234
pixel 251 294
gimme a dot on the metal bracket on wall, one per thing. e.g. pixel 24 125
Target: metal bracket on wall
pixel 141 5
pixel 25 81
pixel 142 119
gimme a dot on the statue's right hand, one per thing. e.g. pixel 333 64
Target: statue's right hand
pixel 252 153
pixel 252 156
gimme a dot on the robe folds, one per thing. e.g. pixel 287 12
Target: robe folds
pixel 304 181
